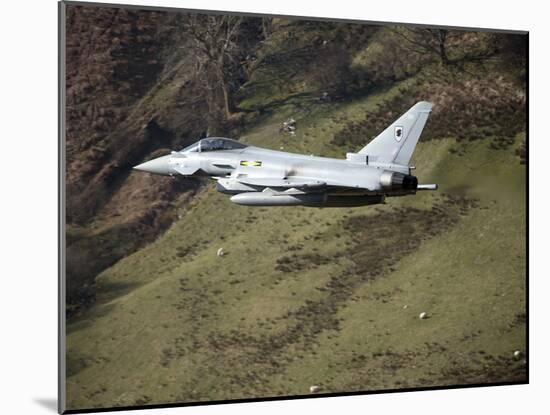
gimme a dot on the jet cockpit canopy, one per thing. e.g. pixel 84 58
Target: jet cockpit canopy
pixel 214 144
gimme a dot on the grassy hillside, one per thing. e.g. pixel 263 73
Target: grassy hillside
pixel 327 297
pixel 302 296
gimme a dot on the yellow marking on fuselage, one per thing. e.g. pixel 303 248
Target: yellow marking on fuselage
pixel 251 163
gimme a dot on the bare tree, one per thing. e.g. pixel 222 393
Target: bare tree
pixel 334 74
pixel 448 45
pixel 267 26
pixel 425 41
pixel 215 41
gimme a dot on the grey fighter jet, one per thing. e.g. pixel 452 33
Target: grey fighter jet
pixel 257 176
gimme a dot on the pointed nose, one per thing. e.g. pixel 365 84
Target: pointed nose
pixel 159 165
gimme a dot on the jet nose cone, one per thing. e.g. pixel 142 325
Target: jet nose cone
pixel 159 165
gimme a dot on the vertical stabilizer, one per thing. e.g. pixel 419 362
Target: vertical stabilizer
pixel 396 143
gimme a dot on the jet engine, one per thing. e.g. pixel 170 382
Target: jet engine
pixel 391 180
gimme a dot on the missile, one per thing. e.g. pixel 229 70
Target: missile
pixel 305 199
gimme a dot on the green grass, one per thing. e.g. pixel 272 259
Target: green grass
pixel 173 322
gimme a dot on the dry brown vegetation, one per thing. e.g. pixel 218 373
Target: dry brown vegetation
pixel 464 107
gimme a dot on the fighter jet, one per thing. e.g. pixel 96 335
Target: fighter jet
pixel 257 176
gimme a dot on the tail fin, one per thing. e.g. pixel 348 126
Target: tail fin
pixel 397 142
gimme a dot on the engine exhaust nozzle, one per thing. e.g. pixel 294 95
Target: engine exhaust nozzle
pixel 391 180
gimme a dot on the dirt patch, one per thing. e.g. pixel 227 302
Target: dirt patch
pixel 299 262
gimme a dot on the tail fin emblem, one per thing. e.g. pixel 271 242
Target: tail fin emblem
pixel 398 133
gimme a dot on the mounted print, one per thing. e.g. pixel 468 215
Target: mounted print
pixel 273 207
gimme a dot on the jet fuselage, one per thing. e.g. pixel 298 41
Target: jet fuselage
pixel 263 177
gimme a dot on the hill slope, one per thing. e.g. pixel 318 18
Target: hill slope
pixel 327 297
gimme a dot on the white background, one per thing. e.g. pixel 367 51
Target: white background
pixel 28 219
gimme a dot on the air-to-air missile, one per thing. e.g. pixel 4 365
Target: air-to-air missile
pixel 261 177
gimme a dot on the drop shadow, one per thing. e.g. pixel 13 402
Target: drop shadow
pixel 48 403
